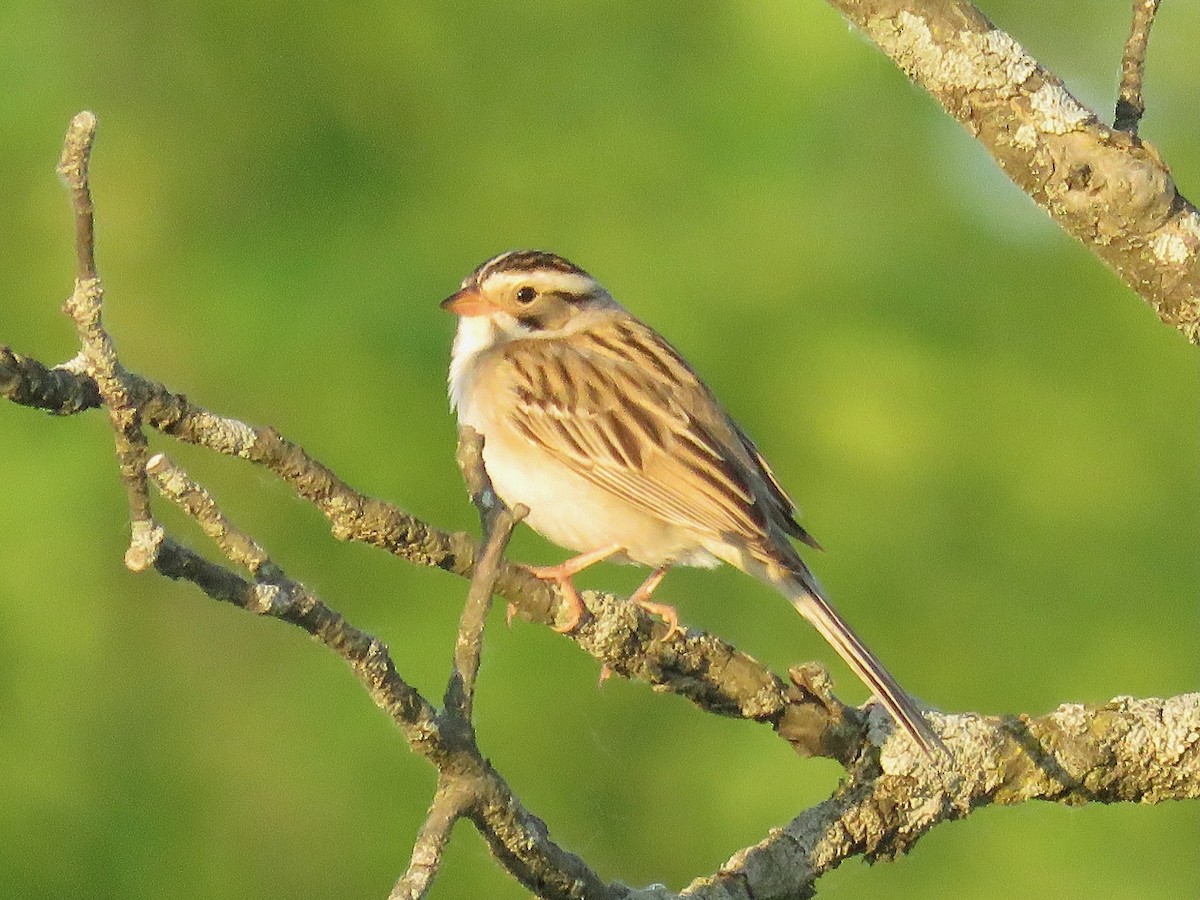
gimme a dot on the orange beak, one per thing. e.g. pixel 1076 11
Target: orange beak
pixel 468 302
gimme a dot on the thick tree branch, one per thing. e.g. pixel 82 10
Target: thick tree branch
pixel 1143 751
pixel 1104 186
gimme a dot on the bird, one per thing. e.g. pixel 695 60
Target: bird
pixel 619 450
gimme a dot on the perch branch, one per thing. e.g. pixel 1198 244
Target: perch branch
pixel 1127 750
pixel 1106 187
pixel 706 670
pixel 1130 105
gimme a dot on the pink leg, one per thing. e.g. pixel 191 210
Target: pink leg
pixel 667 613
pixel 562 575
pixel 642 598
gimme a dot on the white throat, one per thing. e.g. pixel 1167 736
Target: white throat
pixel 475 334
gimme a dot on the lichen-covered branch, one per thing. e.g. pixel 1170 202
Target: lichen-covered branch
pixel 272 593
pixel 58 391
pixel 468 785
pixel 1103 185
pixel 1142 751
pixel 455 796
pixel 446 809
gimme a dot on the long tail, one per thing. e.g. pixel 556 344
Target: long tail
pixel 802 590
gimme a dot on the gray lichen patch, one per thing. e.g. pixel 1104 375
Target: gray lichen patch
pixel 980 61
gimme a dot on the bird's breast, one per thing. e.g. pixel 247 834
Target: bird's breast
pixel 574 512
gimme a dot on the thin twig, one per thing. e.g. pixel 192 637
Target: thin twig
pixel 98 355
pixel 497 523
pixel 456 794
pixel 446 809
pixel 73 168
pixel 240 548
pixel 274 594
pixel 468 646
pixel 1130 105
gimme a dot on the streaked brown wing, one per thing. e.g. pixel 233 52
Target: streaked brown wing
pixel 782 504
pixel 621 407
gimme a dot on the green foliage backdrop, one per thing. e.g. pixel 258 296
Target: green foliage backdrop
pixel 994 439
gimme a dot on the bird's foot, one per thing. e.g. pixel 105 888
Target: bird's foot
pixel 561 575
pixel 667 613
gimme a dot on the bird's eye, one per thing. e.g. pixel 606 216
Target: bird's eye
pixel 526 294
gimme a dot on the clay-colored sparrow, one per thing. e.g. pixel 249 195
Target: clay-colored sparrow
pixel 619 450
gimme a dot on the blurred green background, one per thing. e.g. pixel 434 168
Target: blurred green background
pixel 995 440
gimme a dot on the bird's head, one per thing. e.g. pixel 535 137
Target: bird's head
pixel 528 293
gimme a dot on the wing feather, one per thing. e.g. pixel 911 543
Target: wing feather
pixel 618 405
